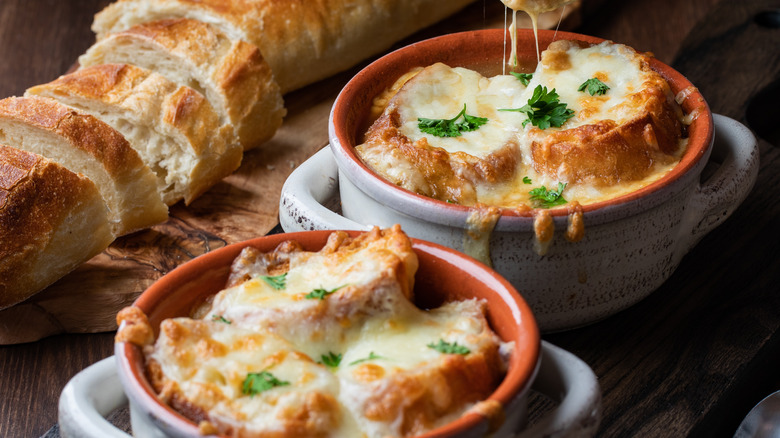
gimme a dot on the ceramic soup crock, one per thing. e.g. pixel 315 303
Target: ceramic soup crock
pixel 443 275
pixel 632 243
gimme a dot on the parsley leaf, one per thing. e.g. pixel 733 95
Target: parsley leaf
pixel 447 348
pixel 526 180
pixel 331 359
pixel 220 318
pixel 548 198
pixel 449 127
pixel 544 109
pixel 523 77
pixel 594 87
pixel 321 293
pixel 255 383
pixel 277 282
pixel 371 356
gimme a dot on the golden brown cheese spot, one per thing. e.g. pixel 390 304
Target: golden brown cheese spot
pixel 556 60
pixel 368 372
pixel 136 329
pixel 493 411
pixel 315 417
pixel 208 348
pixel 207 428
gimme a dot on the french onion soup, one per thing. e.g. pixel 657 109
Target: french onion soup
pixel 590 123
pixel 323 344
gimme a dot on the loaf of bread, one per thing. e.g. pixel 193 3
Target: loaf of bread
pixel 172 127
pixel 302 40
pixel 88 146
pixel 51 220
pixel 162 108
pixel 230 73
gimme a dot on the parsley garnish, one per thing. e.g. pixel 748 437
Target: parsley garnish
pixel 277 282
pixel 449 127
pixel 524 77
pixel 594 87
pixel 548 198
pixel 221 318
pixel 371 356
pixel 526 180
pixel 255 383
pixel 331 359
pixel 544 109
pixel 321 293
pixel 447 348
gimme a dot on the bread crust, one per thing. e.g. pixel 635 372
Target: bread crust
pixel 207 151
pixel 51 220
pixel 125 182
pixel 303 40
pixel 607 152
pixel 231 73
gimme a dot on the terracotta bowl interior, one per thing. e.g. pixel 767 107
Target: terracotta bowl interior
pixel 443 275
pixel 484 51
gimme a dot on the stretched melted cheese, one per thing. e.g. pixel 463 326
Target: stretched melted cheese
pixel 389 381
pixel 494 160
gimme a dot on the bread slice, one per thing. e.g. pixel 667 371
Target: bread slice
pixel 173 128
pixel 302 41
pixel 230 73
pixel 51 221
pixel 85 145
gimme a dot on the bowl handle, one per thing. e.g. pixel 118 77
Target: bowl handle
pixel 565 378
pixel 96 391
pixel 87 398
pixel 717 197
pixel 306 193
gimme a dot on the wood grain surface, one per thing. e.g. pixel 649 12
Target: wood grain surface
pixel 690 360
pixel 242 206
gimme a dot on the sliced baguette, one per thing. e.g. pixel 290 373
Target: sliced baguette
pixel 230 73
pixel 85 145
pixel 303 41
pixel 51 221
pixel 173 128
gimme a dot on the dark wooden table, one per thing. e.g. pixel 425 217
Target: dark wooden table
pixel 690 360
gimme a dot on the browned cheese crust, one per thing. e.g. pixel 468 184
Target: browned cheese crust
pixel 422 396
pixel 448 176
pixel 606 153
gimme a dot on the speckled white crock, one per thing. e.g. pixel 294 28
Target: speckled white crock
pixel 631 244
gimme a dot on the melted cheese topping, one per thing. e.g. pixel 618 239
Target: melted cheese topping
pixel 440 92
pixel 383 341
pixel 533 8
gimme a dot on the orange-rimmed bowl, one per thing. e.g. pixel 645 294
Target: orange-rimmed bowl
pixel 632 243
pixel 443 275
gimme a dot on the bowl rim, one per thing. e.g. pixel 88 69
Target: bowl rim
pixel 517 381
pixel 416 205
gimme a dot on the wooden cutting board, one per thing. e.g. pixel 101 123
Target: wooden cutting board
pixel 242 206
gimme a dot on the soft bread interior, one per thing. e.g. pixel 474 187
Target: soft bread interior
pixel 125 183
pixel 230 73
pixel 172 127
